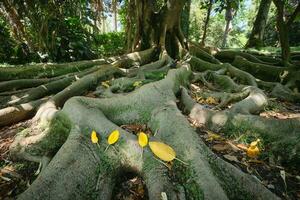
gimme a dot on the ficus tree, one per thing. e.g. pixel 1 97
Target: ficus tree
pixel 152 87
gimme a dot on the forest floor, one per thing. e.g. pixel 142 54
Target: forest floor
pixel 16 176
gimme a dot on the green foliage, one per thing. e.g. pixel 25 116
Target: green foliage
pixel 237 36
pixel 58 31
pixel 72 42
pixel 7 44
pixel 110 43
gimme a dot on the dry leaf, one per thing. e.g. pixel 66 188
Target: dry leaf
pixel 231 158
pixel 221 147
pixel 113 137
pixel 162 151
pixel 242 146
pixel 143 139
pixel 283 176
pixel 164 196
pixel 213 136
pixel 233 146
pixel 94 137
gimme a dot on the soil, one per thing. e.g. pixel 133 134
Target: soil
pixel 15 176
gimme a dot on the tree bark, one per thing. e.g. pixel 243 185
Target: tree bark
pixel 257 33
pixel 228 17
pixel 115 11
pixel 206 22
pixel 155 28
pixel 283 26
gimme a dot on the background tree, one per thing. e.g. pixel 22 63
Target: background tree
pixel 284 21
pixel 257 33
pixel 208 5
pixel 231 8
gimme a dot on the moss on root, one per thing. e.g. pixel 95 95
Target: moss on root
pixel 57 132
pixel 183 176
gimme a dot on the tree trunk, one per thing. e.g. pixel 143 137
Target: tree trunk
pixel 154 28
pixel 257 33
pixel 284 40
pixel 228 17
pixel 206 22
pixel 115 11
pixel 283 25
pixel 185 18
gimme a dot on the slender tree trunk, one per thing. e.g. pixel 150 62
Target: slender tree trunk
pixel 283 26
pixel 257 33
pixel 129 24
pixel 284 40
pixel 228 17
pixel 115 15
pixel 185 18
pixel 206 23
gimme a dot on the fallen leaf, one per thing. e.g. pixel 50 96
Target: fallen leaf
pixel 242 146
pixel 270 186
pixel 162 151
pixel 164 196
pixel 253 150
pixel 283 176
pixel 143 139
pixel 105 84
pixel 220 147
pixel 137 83
pixel 231 158
pixel 255 143
pixel 113 137
pixel 233 146
pixel 213 136
pixel 94 137
pixel 211 100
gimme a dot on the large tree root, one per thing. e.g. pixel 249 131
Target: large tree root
pixel 282 135
pixel 81 170
pixel 46 70
pixel 70 85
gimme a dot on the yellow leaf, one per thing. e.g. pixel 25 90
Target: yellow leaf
pixel 253 150
pixel 113 137
pixel 211 100
pixel 105 84
pixel 137 83
pixel 94 137
pixel 162 151
pixel 255 143
pixel 143 139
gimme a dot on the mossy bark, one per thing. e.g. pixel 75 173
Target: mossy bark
pixel 81 166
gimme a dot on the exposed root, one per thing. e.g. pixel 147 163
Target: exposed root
pixel 14 114
pixel 272 130
pixel 155 105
